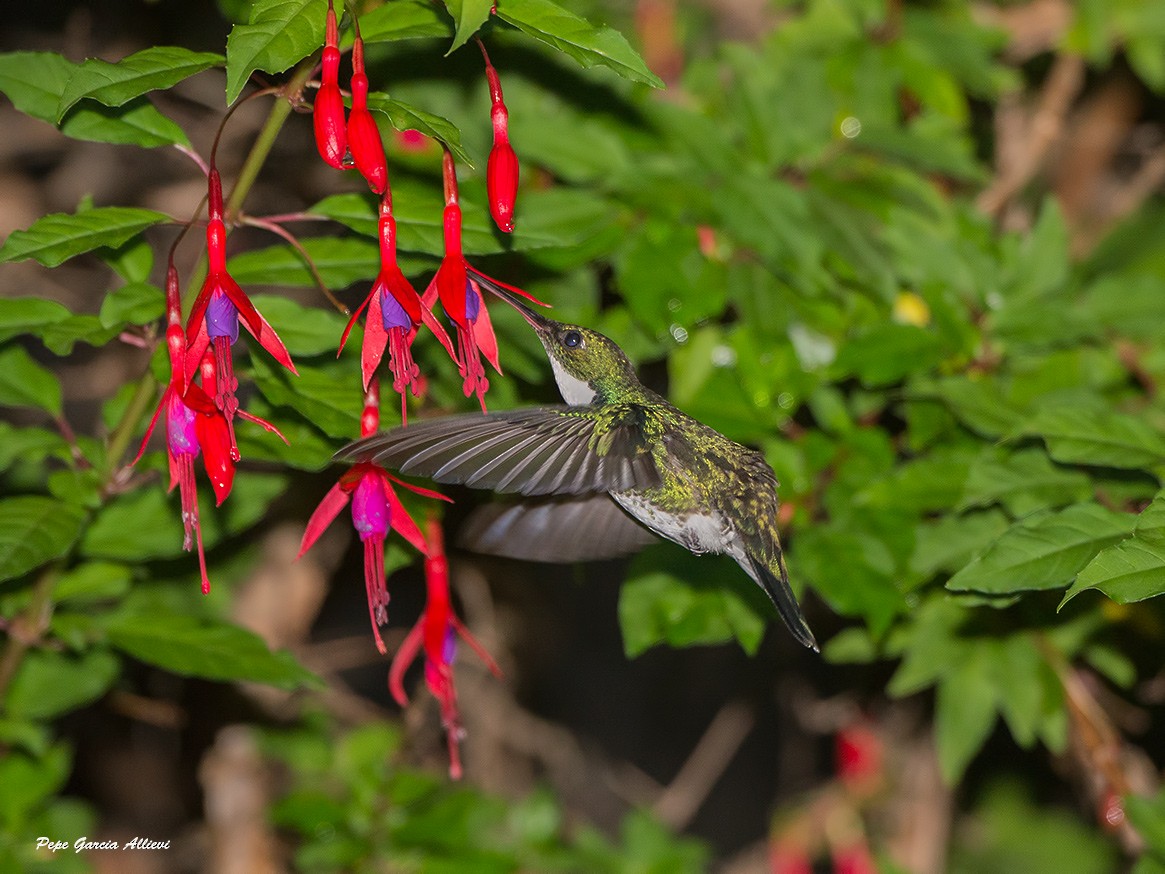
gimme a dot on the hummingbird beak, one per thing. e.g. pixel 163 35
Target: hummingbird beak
pixel 513 296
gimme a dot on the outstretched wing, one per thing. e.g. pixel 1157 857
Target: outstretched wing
pixel 555 529
pixel 543 451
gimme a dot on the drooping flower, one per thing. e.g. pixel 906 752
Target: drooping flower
pixel 436 634
pixel 328 109
pixel 214 319
pixel 376 510
pixel 193 425
pixel 363 135
pixel 395 312
pixel 501 172
pixel 460 295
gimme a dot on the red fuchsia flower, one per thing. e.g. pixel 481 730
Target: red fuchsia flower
pixel 363 135
pixel 501 172
pixel 789 858
pixel 375 511
pixel 436 633
pixel 193 423
pixel 854 859
pixel 328 109
pixel 395 312
pixel 858 755
pixel 214 319
pixel 460 294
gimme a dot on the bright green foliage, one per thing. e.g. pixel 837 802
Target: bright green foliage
pixel 352 802
pixel 791 248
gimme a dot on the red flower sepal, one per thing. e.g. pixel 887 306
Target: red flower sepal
pixel 436 633
pixel 375 511
pixel 328 108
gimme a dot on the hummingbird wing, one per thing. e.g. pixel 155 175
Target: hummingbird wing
pixel 542 451
pixel 555 529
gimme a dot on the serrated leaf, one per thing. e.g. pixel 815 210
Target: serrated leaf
pixel 948 543
pixel 50 683
pixel 28 315
pixel 196 647
pixel 24 383
pixel 152 69
pixel 60 337
pixel 1132 570
pixel 673 598
pixel 340 262
pixel 977 402
pixel 404 117
pixel 55 238
pixel 888 352
pixel 137 123
pixel 34 81
pixel 468 16
pixel 1083 435
pixel 1022 482
pixel 34 530
pixel 278 34
pixel 577 38
pixel 1044 552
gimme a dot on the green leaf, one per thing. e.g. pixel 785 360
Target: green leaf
pixel 60 337
pixel 964 715
pixel 977 402
pixel 196 647
pixel 28 445
pixel 152 69
pixel 1148 817
pixel 138 123
pixel 29 781
pixel 50 683
pixel 948 543
pixel 93 581
pixel 1083 435
pixel 138 303
pixel 1132 570
pixel 468 16
pixel 340 262
pixel 313 394
pixel 671 597
pixel 1043 552
pixel 402 19
pixel 1022 481
pixel 34 81
pixel 279 33
pixel 404 117
pixel 888 352
pixel 53 239
pixel 574 36
pixel 304 330
pixel 34 530
pixel 28 315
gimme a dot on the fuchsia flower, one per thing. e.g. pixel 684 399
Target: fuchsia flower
pixel 461 297
pixel 328 109
pixel 436 633
pixel 501 172
pixel 395 312
pixel 363 135
pixel 375 511
pixel 193 424
pixel 214 320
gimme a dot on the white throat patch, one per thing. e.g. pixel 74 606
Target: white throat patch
pixel 573 390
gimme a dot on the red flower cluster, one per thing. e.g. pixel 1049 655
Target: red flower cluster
pixel 200 418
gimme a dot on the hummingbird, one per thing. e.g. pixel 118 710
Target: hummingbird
pixel 603 475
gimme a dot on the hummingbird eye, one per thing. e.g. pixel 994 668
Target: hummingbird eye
pixel 572 339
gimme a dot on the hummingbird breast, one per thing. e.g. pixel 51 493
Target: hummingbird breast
pixel 696 531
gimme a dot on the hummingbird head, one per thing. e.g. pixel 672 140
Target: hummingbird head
pixel 586 364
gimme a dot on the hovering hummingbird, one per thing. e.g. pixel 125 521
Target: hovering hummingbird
pixel 601 474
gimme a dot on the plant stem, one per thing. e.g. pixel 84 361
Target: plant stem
pixel 266 139
pixel 123 432
pixel 28 627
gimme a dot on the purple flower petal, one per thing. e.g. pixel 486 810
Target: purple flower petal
pixel 370 511
pixel 222 317
pixel 180 435
pixel 392 314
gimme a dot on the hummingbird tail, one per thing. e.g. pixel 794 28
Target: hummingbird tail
pixel 778 589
